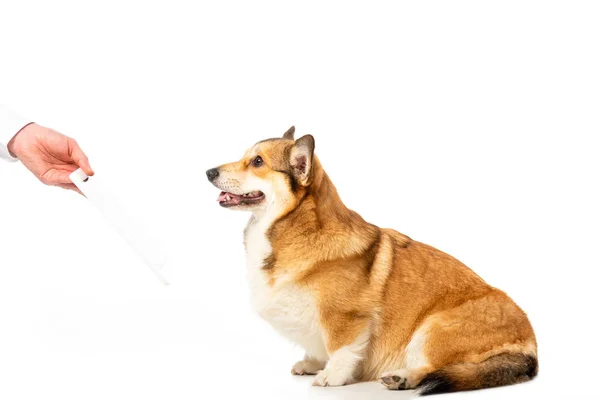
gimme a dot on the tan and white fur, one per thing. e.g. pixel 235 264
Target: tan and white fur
pixel 364 302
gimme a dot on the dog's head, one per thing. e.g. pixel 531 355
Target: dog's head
pixel 270 173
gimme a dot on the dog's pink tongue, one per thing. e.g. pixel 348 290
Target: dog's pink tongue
pixel 222 196
pixel 229 198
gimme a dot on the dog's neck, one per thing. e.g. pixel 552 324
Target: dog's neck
pixel 319 212
pixel 328 204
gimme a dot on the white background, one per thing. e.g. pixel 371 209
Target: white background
pixel 471 126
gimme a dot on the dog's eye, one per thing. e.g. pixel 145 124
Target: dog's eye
pixel 258 161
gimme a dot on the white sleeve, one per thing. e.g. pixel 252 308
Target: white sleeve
pixel 10 124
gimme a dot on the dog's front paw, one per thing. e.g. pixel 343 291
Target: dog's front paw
pixel 331 377
pixel 307 367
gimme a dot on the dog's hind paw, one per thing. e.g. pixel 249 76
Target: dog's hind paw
pixel 395 380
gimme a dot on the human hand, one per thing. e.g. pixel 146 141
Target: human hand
pixel 49 155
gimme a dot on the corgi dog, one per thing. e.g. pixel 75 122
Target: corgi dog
pixel 365 303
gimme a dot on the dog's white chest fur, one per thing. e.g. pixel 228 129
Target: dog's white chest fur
pixel 291 310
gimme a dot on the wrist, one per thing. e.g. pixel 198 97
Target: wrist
pixel 14 143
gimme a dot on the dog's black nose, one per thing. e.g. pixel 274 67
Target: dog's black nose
pixel 212 174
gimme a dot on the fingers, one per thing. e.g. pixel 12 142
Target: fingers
pixel 79 157
pixel 60 179
pixel 53 177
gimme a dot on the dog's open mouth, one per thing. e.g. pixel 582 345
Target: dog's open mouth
pixel 227 199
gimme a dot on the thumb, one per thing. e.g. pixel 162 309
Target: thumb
pixel 79 157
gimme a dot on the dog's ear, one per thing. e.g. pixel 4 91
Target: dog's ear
pixel 289 134
pixel 301 159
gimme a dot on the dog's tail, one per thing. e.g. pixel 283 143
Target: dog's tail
pixel 502 369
